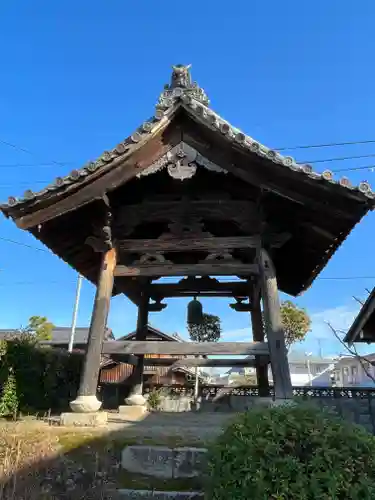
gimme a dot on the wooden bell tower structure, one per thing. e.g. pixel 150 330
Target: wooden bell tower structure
pixel 188 195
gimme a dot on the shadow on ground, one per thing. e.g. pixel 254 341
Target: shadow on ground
pixel 42 461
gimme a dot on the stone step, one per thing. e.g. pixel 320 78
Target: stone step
pixel 159 495
pixel 164 462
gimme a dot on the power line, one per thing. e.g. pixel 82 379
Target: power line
pixel 33 283
pixel 366 167
pixel 329 145
pixel 342 158
pixel 47 164
pixel 8 240
pixel 24 150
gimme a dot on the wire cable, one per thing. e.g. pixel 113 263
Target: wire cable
pixel 8 240
pixel 329 145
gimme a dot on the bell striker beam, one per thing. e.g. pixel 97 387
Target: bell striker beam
pixel 87 400
pixel 275 335
pixel 258 336
pixel 136 393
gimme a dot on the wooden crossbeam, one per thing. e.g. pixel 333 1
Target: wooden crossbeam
pixel 185 348
pixel 192 362
pixel 217 268
pixel 200 362
pixel 175 244
pixel 199 286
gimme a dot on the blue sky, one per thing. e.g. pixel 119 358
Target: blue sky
pixel 78 77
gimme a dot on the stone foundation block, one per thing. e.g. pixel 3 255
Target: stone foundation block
pixel 133 413
pixel 95 419
pixel 189 462
pixel 154 461
pixel 164 462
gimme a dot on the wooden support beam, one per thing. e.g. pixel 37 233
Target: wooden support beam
pixel 217 268
pixel 156 307
pixel 206 362
pixel 90 374
pixel 186 348
pixel 258 335
pixel 275 335
pixel 240 307
pixel 175 244
pixel 199 286
pixel 136 392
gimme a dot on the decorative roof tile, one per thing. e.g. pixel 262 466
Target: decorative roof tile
pixel 182 91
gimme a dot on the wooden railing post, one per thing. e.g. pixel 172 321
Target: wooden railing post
pixel 87 400
pixel 275 334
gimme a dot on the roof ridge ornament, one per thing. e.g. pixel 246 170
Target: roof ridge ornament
pixel 181 85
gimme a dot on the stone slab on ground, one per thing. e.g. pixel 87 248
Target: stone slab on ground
pixel 189 462
pixel 159 495
pixel 156 461
pixel 164 462
pixel 95 419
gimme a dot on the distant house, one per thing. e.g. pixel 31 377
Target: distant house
pixel 304 370
pixel 350 371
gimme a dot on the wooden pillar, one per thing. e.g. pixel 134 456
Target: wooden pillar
pixel 136 393
pixel 258 335
pixel 275 335
pixel 87 400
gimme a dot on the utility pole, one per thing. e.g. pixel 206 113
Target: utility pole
pixel 75 313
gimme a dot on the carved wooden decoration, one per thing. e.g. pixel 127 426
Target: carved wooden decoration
pixel 181 163
pixel 101 240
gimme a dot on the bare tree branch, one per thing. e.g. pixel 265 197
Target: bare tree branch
pixel 353 351
pixel 359 301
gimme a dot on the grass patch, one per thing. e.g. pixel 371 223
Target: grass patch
pixel 40 462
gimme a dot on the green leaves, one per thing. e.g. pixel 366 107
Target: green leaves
pixel 296 322
pixel 207 331
pixel 291 453
pixel 40 327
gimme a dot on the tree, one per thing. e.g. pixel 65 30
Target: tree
pixel 209 330
pixel 40 327
pixel 296 322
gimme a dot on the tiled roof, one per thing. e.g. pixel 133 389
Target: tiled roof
pixel 182 92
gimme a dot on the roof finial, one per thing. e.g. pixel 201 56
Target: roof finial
pixel 181 76
pixel 181 87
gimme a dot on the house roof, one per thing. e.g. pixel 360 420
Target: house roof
pixel 61 334
pixel 363 326
pixel 324 210
pixel 154 331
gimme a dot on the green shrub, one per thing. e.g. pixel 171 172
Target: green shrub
pixel 154 399
pixel 8 398
pixel 36 379
pixel 290 453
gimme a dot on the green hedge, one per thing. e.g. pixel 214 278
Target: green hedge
pixel 291 453
pixel 35 379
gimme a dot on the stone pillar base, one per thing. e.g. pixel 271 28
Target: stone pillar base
pixel 85 404
pixel 133 413
pixel 96 419
pixel 135 400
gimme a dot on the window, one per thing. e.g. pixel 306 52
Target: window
pixel 353 375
